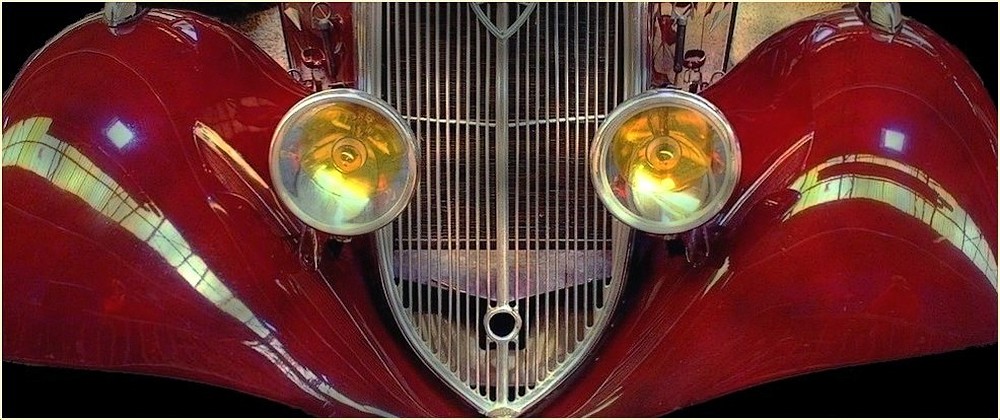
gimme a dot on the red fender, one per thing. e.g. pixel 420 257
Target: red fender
pixel 143 235
pixel 863 228
pixel 138 246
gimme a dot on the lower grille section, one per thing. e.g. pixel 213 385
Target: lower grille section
pixel 505 266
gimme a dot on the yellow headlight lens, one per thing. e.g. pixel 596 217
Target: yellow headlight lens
pixel 665 161
pixel 344 162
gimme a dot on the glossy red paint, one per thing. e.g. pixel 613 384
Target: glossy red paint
pixel 217 292
pixel 163 255
pixel 790 290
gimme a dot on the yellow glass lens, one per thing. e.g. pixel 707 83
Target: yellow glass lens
pixel 349 150
pixel 665 162
pixel 344 166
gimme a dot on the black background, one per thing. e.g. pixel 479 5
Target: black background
pixel 956 384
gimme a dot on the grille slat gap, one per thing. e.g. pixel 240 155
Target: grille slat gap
pixel 477 165
pixel 562 186
pixel 554 186
pixel 452 170
pixel 536 207
pixel 576 177
pixel 518 215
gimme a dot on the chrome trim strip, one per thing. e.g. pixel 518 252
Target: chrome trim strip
pixel 637 21
pixel 502 201
pixel 369 46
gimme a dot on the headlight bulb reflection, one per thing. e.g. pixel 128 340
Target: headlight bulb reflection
pixel 665 161
pixel 344 162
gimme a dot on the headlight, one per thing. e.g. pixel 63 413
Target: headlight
pixel 665 161
pixel 344 162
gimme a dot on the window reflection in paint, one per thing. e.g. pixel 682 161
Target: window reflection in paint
pixel 119 134
pixel 27 145
pixel 893 140
pixel 187 29
pixel 950 220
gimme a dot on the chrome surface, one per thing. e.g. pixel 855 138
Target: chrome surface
pixel 504 268
pixel 369 39
pixel 884 17
pixel 120 13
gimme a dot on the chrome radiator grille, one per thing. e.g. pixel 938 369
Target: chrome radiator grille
pixel 505 266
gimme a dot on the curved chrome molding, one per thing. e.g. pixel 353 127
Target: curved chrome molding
pixel 506 31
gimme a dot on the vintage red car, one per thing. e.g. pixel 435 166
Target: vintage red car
pixel 496 209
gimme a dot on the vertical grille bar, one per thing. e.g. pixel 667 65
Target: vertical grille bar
pixel 576 167
pixel 502 170
pixel 518 215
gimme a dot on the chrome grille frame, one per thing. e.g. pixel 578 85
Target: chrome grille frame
pixel 371 27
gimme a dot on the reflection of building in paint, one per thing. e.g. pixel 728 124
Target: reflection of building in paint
pixel 27 145
pixel 949 220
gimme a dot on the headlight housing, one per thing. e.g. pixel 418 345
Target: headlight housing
pixel 344 162
pixel 665 161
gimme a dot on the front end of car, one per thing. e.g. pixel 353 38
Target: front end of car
pixel 496 209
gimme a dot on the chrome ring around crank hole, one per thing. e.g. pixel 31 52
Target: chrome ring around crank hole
pixel 504 312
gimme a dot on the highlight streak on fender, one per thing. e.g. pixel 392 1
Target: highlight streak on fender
pixel 950 221
pixel 28 146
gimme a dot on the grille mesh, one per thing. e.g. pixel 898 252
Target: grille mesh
pixel 504 216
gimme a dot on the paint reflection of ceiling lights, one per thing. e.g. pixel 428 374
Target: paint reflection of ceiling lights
pixel 119 134
pixel 27 145
pixel 893 140
pixel 949 220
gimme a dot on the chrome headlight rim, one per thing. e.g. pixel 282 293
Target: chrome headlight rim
pixel 358 97
pixel 649 100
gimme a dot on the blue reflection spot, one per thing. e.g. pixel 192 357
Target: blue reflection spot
pixel 822 34
pixel 893 140
pixel 119 134
pixel 187 29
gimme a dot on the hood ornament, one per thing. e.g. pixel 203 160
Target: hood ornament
pixel 503 33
